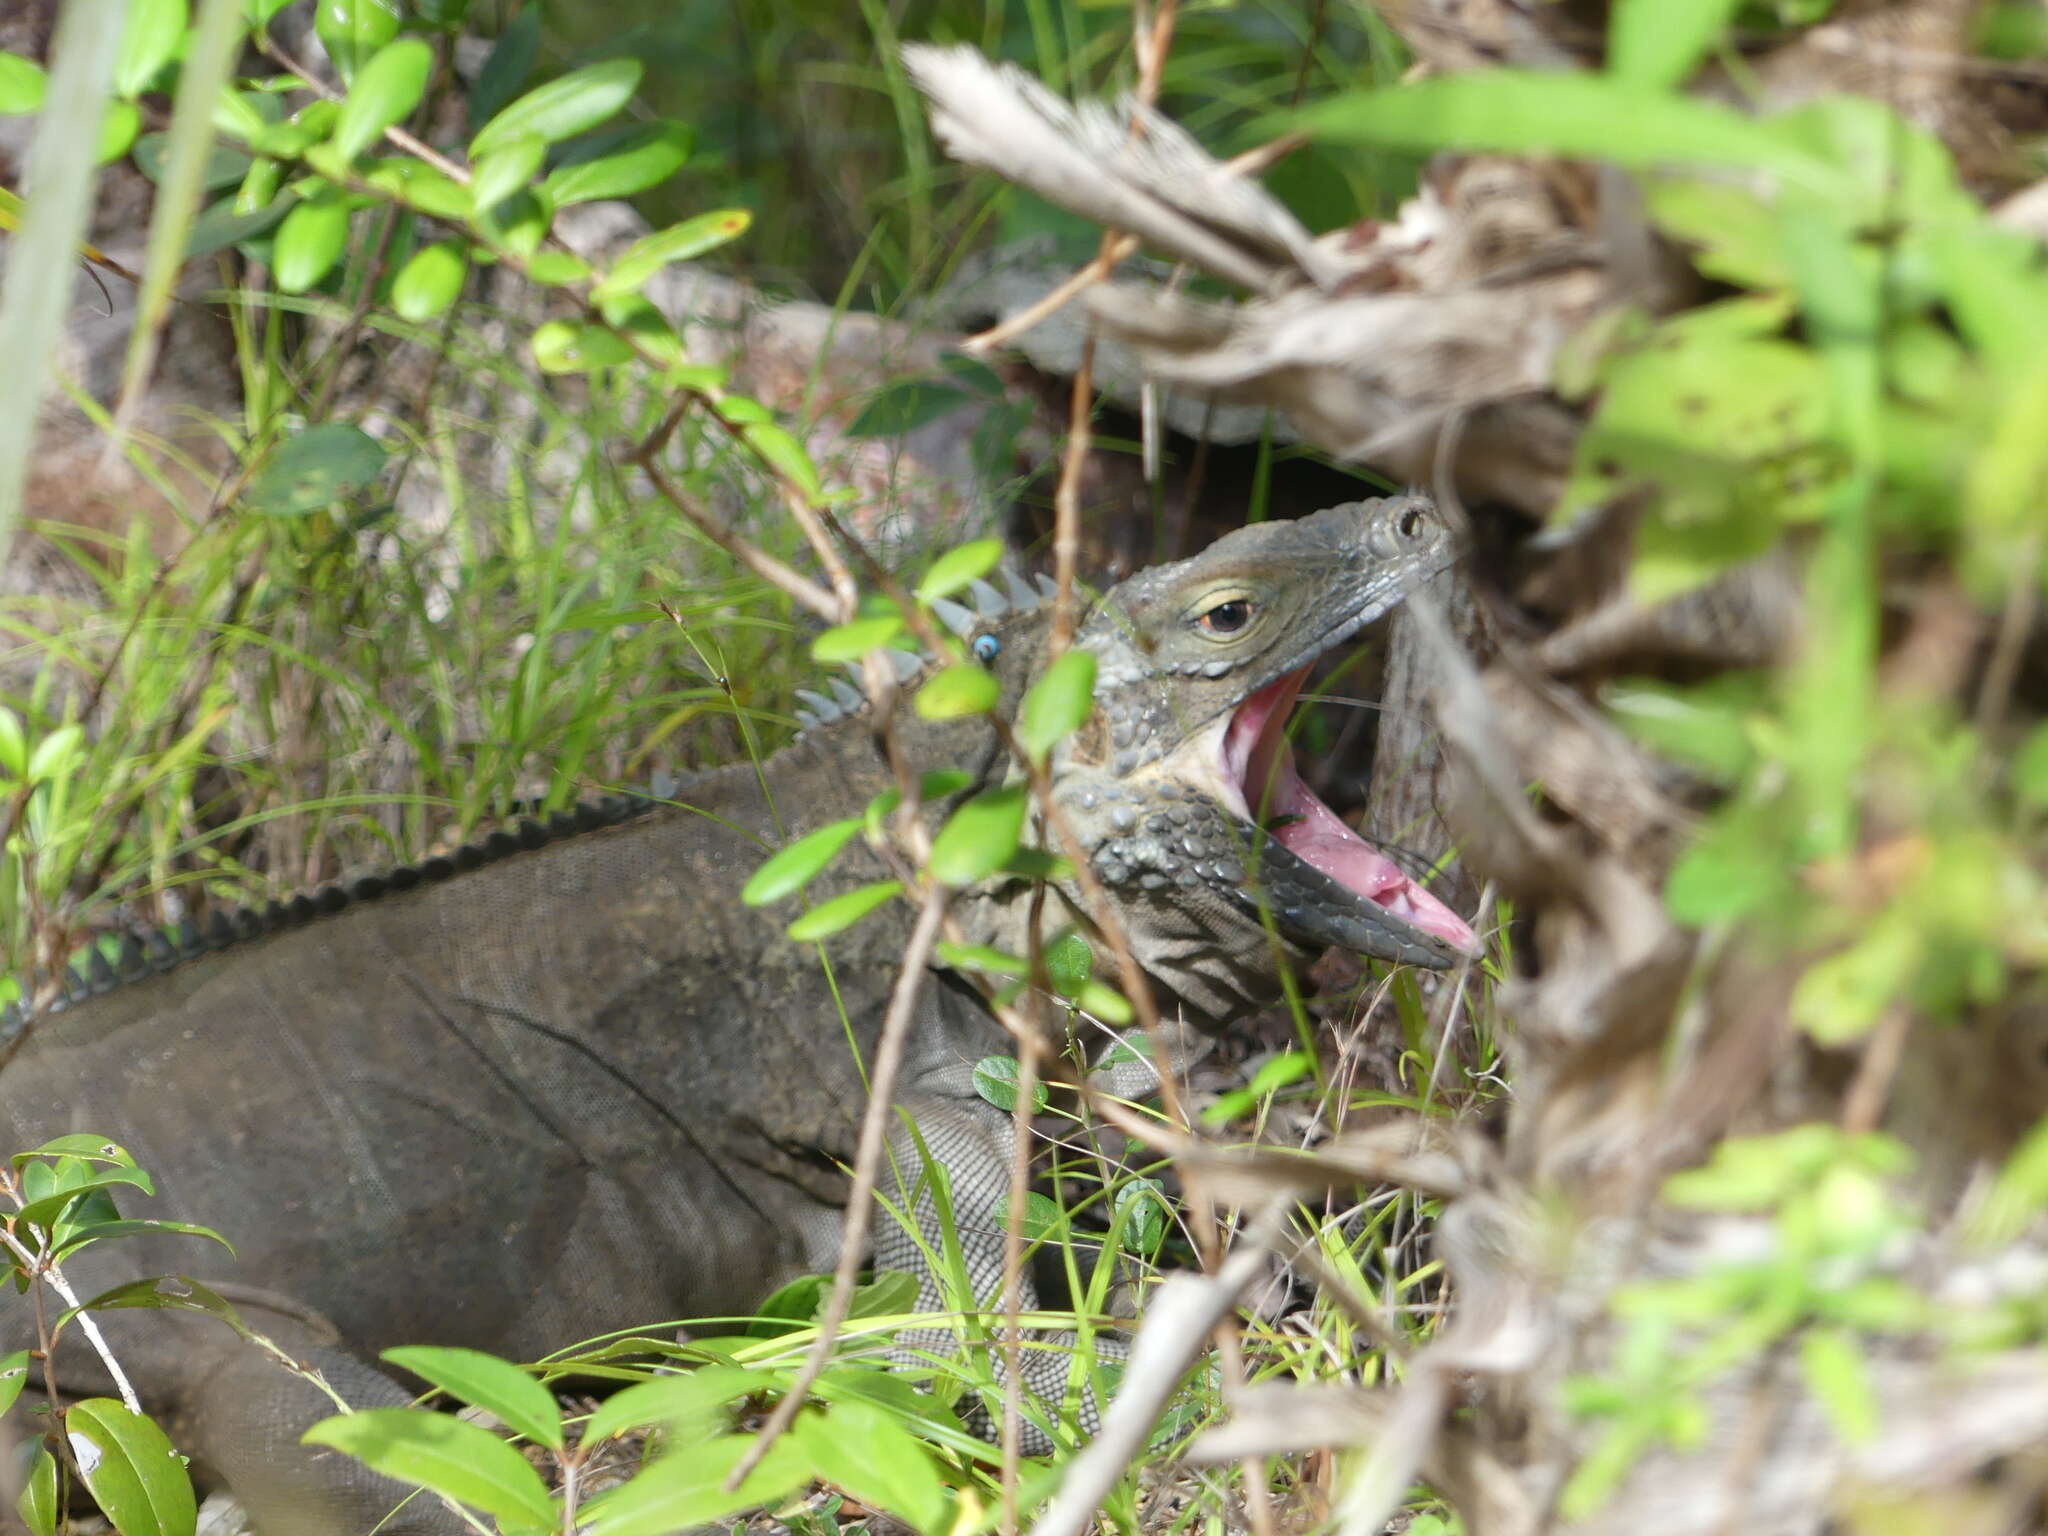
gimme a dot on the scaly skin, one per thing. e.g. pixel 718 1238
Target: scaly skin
pixel 568 1083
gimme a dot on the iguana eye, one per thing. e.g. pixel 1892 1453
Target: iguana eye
pixel 1226 618
pixel 986 648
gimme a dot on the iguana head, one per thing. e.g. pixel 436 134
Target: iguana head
pixel 1182 786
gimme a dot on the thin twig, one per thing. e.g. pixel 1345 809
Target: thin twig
pixel 37 1267
pixel 874 1135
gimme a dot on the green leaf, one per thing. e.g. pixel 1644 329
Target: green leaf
pixel 1658 43
pixel 94 1149
pixel 44 1211
pixel 430 281
pixel 980 837
pixel 1104 1002
pixel 505 170
pixel 223 225
pixel 959 690
pixel 162 1293
pixel 679 242
pixel 557 269
pixel 1579 115
pixel 496 1386
pixel 687 1401
pixel 866 1451
pixel 982 957
pixel 850 642
pixel 2029 767
pixel 22 83
pixel 644 327
pixel 149 41
pixel 562 108
pixel 118 130
pixel 620 165
pixel 38 1502
pixel 1836 1375
pixel 131 1470
pixel 517 224
pixel 1277 1073
pixel 13 1377
pixel 1042 1218
pixel 959 566
pixel 510 62
pixel 419 186
pixel 320 466
pixel 352 31
pixel 1068 964
pixel 384 94
pixel 891 1292
pixel 790 869
pixel 564 346
pixel 14 761
pixel 225 164
pixel 310 241
pixel 687 1488
pixel 935 785
pixel 1057 703
pixel 778 448
pixel 995 1079
pixel 444 1454
pixel 100 1231
pixel 842 911
pixel 1142 1205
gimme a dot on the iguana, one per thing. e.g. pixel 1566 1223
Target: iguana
pixel 564 1081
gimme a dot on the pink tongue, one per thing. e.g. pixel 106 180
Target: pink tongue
pixel 1319 838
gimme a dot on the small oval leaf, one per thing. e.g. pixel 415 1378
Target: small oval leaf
pixel 13 1377
pixel 961 689
pixel 1057 703
pixel 384 93
pixel 959 566
pixel 843 911
pixel 130 1468
pixel 448 1455
pixel 627 164
pixel 22 83
pixel 149 40
pixel 496 1386
pixel 322 465
pixel 794 867
pixel 850 642
pixel 995 1079
pixel 1068 964
pixel 980 837
pixel 562 108
pixel 685 1400
pixel 352 31
pixel 309 242
pixel 778 448
pixel 505 170
pixel 1042 1218
pixel 37 1505
pixel 562 346
pixel 431 281
pixel 679 242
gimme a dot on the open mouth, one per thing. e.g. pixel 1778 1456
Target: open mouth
pixel 1259 764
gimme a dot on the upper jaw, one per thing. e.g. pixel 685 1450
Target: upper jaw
pixel 1324 885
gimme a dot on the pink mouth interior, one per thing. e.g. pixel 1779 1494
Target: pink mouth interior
pixel 1257 757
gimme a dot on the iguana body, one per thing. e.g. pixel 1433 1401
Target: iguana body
pixel 526 1095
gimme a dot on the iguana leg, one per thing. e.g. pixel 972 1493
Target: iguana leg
pixel 971 1141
